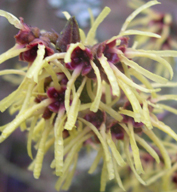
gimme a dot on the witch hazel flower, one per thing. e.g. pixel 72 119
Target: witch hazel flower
pixel 165 179
pixel 160 23
pixel 157 22
pixel 77 92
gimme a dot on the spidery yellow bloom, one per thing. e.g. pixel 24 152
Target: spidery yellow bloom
pixel 158 22
pixel 77 92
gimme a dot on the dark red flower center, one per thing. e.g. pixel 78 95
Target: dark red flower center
pixel 31 53
pixel 57 97
pixel 96 118
pixel 117 131
pixel 80 57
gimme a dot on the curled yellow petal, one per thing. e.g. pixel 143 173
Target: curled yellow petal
pixel 136 12
pixel 129 160
pixel 91 34
pixel 136 32
pixel 58 144
pixel 130 82
pixel 20 118
pixel 30 137
pixel 135 150
pixel 160 125
pixel 150 55
pixel 110 75
pixel 96 161
pixel 133 100
pixel 95 104
pixel 41 152
pixel 72 46
pixel 105 148
pixel 160 146
pixel 115 151
pixel 103 177
pixel 141 70
pixel 146 115
pixel 12 19
pixel 74 109
pixel 12 52
pixel 147 147
pixel 66 14
pixel 37 65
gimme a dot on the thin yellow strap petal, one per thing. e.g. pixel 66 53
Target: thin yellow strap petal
pixel 103 177
pixel 74 109
pixel 148 148
pixel 58 145
pixel 63 69
pixel 26 102
pixel 99 19
pixel 66 14
pixel 154 178
pixel 71 175
pixel 95 104
pixel 73 139
pixel 73 113
pixel 96 161
pixel 117 176
pixel 167 178
pixel 40 152
pixel 115 151
pixel 12 52
pixel 136 32
pixel 69 160
pixel 128 81
pixel 111 111
pixel 168 108
pixel 110 75
pixel 19 119
pixel 164 53
pixel 105 147
pixel 129 160
pixel 91 16
pixel 133 100
pixel 164 97
pixel 136 12
pixel 159 144
pixel 144 81
pixel 151 56
pixel 103 106
pixel 51 72
pixel 12 71
pixel 30 137
pixel 107 91
pixel 38 127
pixel 12 19
pixel 10 99
pixel 82 35
pixel 55 56
pixel 147 119
pixel 160 125
pixel 37 65
pixel 168 84
pixel 135 150
pixel 141 70
pixel 70 86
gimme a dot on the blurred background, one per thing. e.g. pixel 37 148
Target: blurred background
pixel 47 14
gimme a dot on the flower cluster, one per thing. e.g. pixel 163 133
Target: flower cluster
pixel 158 22
pixel 166 179
pixel 77 92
